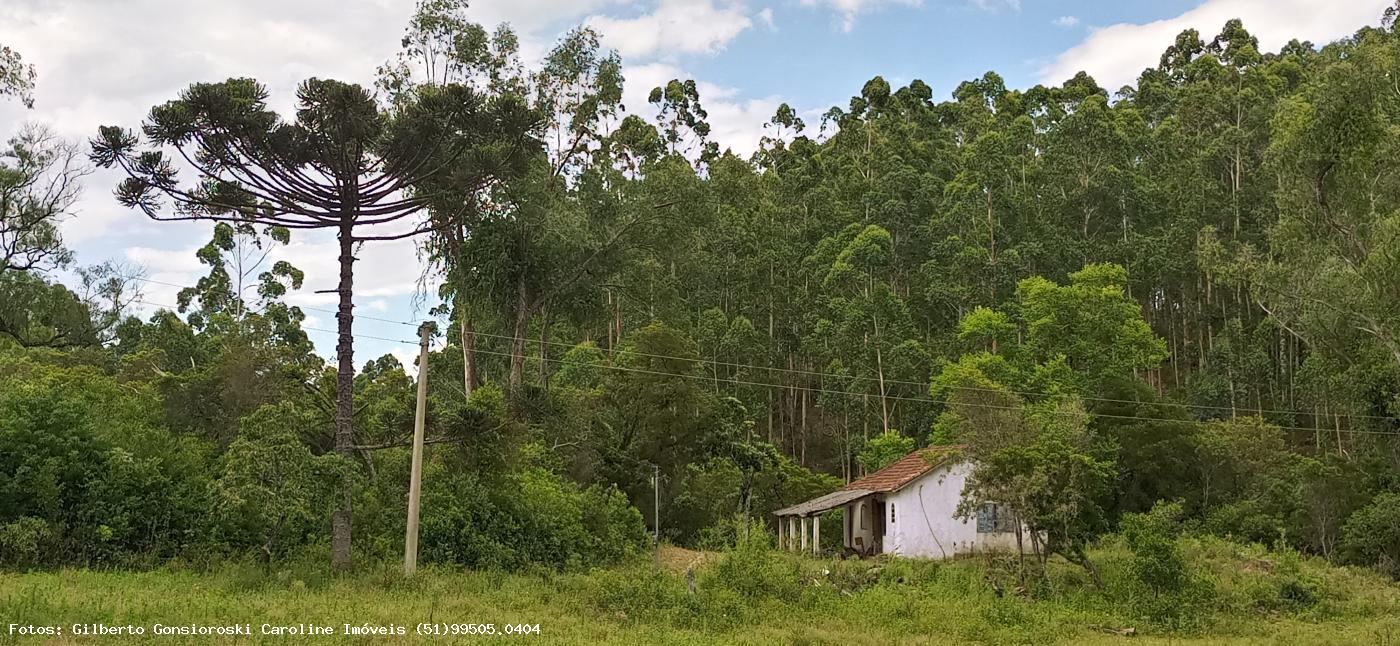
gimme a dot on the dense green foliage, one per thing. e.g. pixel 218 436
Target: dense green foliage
pixel 1180 291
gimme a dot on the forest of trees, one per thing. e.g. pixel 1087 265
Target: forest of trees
pixel 1185 290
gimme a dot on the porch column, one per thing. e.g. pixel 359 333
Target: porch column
pixel 781 520
pixel 792 534
pixel 806 529
pixel 816 534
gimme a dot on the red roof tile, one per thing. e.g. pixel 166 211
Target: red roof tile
pixel 904 470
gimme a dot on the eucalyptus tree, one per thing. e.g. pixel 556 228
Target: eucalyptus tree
pixel 442 46
pixel 238 259
pixel 16 77
pixel 682 119
pixel 545 242
pixel 864 322
pixel 342 164
pixel 983 208
pixel 1328 276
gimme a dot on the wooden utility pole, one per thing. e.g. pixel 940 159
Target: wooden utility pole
pixel 415 478
pixel 656 509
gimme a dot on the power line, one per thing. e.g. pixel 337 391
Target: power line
pixel 925 385
pixel 927 400
pixel 825 376
pixel 811 389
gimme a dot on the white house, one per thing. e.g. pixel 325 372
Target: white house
pixel 908 509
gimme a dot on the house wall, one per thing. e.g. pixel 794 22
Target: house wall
pixel 925 523
pixel 858 511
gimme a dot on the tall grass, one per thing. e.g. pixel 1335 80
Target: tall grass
pixel 754 594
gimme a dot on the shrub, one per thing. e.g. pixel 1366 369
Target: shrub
pixel 882 450
pixel 1297 588
pixel 77 455
pixel 523 518
pixel 1372 535
pixel 754 571
pixel 1152 537
pixel 273 488
pixel 638 593
pixel 22 540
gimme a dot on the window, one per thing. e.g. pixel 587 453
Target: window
pixel 891 513
pixel 860 511
pixel 994 519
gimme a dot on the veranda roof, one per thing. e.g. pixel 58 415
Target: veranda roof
pixel 829 501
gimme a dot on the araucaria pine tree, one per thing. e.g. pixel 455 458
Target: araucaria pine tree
pixel 343 164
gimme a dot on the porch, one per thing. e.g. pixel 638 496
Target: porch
pixel 863 527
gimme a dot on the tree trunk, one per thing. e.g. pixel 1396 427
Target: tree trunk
pixel 464 317
pixel 468 352
pixel 344 397
pixel 544 346
pixel 611 344
pixel 1020 554
pixel 884 406
pixel 517 342
pixel 617 322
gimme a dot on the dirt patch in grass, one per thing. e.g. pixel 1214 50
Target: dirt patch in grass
pixel 678 559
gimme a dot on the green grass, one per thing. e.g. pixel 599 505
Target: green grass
pixel 1238 595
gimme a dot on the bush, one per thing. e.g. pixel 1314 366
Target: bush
pixel 638 593
pixel 22 540
pixel 273 488
pixel 754 571
pixel 1372 535
pixel 87 478
pixel 723 535
pixel 883 449
pixel 524 518
pixel 1297 589
pixel 1152 537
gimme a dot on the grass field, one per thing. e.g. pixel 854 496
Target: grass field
pixel 1239 595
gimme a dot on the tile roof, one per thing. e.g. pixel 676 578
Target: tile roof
pixel 904 470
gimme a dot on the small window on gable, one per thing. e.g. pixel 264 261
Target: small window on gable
pixel 994 519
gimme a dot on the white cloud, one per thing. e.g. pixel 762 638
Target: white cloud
pixel 765 16
pixel 165 261
pixel 675 27
pixel 847 10
pixel 738 124
pixel 381 271
pixel 1065 21
pixel 994 5
pixel 1116 54
pixel 408 356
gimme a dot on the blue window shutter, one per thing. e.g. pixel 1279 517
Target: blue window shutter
pixel 986 518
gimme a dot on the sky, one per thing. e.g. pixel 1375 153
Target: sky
pixel 101 62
